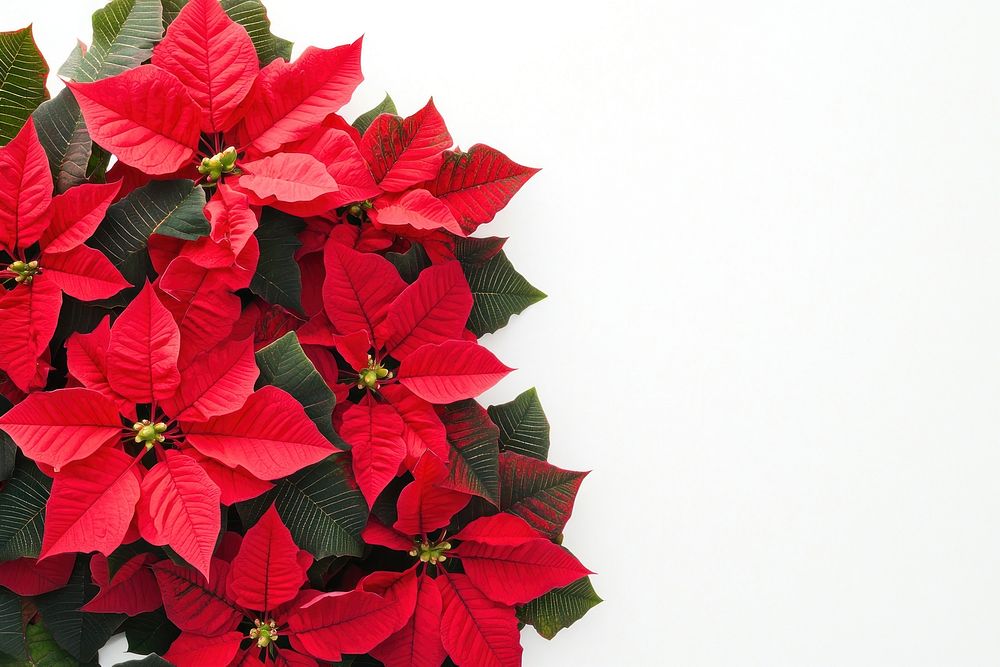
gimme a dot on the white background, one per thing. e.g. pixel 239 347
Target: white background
pixel 769 235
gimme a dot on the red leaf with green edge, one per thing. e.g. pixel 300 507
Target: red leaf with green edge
pixel 289 100
pixel 451 371
pixel 144 116
pixel 192 603
pixel 343 160
pixel 142 356
pixel 30 314
pixel 499 530
pixel 402 152
pixel 132 590
pixel 27 576
pixel 358 289
pixel 519 574
pixel 61 426
pixel 377 450
pixel 269 569
pixel 294 178
pixel 75 215
pixel 216 382
pixel 423 506
pixel 214 57
pixel 474 629
pixel 83 273
pixel 183 505
pixel 474 441
pixel 418 643
pixel 25 190
pixel 538 492
pixel 271 436
pixel 196 650
pixel 332 624
pixel 418 209
pixel 422 428
pixel 91 504
pixel 432 310
pixel 477 183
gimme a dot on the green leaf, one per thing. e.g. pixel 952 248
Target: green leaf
pixel 523 426
pixel 72 63
pixel 125 32
pixel 170 208
pixel 560 608
pixel 151 632
pixel 284 365
pixel 478 250
pixel 475 466
pixel 277 279
pixel 498 292
pixel 365 120
pixel 80 633
pixel 149 661
pixel 12 640
pixel 22 80
pixel 252 15
pixel 65 139
pixel 410 263
pixel 22 511
pixel 43 651
pixel 321 508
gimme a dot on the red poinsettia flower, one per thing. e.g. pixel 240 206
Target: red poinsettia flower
pixel 214 437
pixel 43 254
pixel 407 349
pixel 253 611
pixel 204 106
pixel 467 614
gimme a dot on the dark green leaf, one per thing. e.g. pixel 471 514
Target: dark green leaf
pixel 523 426
pixel 410 263
pixel 22 80
pixel 474 450
pixel 365 120
pixel 125 32
pixel 499 292
pixel 65 139
pixel 43 651
pixel 12 640
pixel 277 279
pixel 8 455
pixel 80 633
pixel 560 608
pixel 324 513
pixel 148 661
pixel 72 63
pixel 22 511
pixel 473 250
pixel 284 365
pixel 150 633
pixel 171 208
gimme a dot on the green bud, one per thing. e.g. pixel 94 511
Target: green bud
pixel 18 266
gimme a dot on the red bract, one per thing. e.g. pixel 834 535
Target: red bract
pixel 225 440
pixel 42 242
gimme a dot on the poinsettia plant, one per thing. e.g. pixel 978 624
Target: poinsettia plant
pixel 241 363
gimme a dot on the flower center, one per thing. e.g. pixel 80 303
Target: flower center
pixel 430 553
pixel 26 271
pixel 264 633
pixel 149 433
pixel 217 165
pixel 371 375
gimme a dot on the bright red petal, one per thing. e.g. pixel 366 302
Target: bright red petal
pixel 75 215
pixel 83 273
pixel 145 343
pixel 400 587
pixel 270 436
pixel 200 301
pixel 504 530
pixel 377 534
pixel 91 505
pixel 422 428
pixel 336 623
pixel 132 590
pixel 474 629
pixel 183 506
pixel 286 178
pixel 192 603
pixel 30 314
pixel 216 382
pixel 418 209
pixel 418 644
pixel 451 371
pixel 358 289
pixel 87 359
pixel 377 449
pixel 233 223
pixel 195 650
pixel 145 116
pixel 343 160
pixel 290 99
pixel 435 308
pixel 25 189
pixel 405 151
pixel 58 427
pixel 236 484
pixel 213 56
pixel 268 571
pixel 423 506
pixel 27 576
